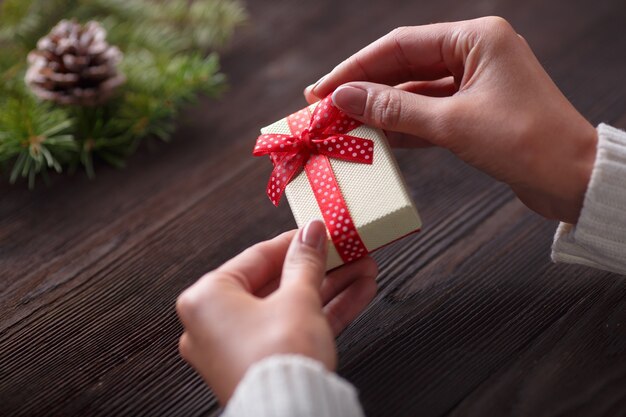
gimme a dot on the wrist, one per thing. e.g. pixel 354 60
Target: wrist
pixel 581 164
pixel 555 179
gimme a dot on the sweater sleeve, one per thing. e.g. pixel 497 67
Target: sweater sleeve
pixel 292 385
pixel 599 238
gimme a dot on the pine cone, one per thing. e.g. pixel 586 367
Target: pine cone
pixel 74 64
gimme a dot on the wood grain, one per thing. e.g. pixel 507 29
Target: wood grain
pixel 471 319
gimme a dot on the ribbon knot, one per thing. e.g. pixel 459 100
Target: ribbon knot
pixel 322 134
pixel 307 139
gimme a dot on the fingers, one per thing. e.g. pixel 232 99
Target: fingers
pixel 406 54
pixel 347 291
pixel 341 278
pixel 250 271
pixel 305 263
pixel 393 109
pixel 335 282
pixel 349 303
pixel 444 87
pixel 256 266
pixel 184 346
pixel 268 288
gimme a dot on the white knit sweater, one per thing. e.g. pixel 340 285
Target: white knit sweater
pixel 599 238
pixel 295 386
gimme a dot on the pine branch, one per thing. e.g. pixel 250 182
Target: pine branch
pixel 36 135
pixel 11 71
pixel 201 24
pixel 165 43
pixel 41 16
pixel 13 14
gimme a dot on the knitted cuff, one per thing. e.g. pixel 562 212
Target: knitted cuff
pixel 599 238
pixel 292 385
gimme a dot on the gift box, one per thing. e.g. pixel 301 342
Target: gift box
pixel 332 167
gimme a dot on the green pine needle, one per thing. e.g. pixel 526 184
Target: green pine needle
pixel 36 136
pixel 165 45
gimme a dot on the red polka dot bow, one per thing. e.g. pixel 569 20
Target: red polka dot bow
pixel 314 137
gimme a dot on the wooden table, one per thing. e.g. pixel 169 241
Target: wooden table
pixel 471 318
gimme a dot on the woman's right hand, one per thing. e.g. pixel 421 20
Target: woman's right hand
pixel 475 88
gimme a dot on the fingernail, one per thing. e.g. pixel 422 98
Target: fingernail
pixel 350 99
pixel 312 87
pixel 314 234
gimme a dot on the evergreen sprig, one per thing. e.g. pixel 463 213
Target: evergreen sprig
pixel 166 45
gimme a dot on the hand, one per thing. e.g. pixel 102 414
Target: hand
pixel 273 298
pixel 475 88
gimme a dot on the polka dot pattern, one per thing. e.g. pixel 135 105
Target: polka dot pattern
pixel 314 138
pixel 338 221
pixel 348 148
pixel 285 168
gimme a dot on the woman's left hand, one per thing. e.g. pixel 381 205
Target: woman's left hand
pixel 274 298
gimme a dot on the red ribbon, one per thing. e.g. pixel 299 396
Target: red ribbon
pixel 314 138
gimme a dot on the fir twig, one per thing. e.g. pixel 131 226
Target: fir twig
pixel 36 136
pixel 165 45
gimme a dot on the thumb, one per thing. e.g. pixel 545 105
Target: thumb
pixel 393 109
pixel 305 263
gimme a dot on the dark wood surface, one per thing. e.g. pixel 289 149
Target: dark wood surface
pixel 472 318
